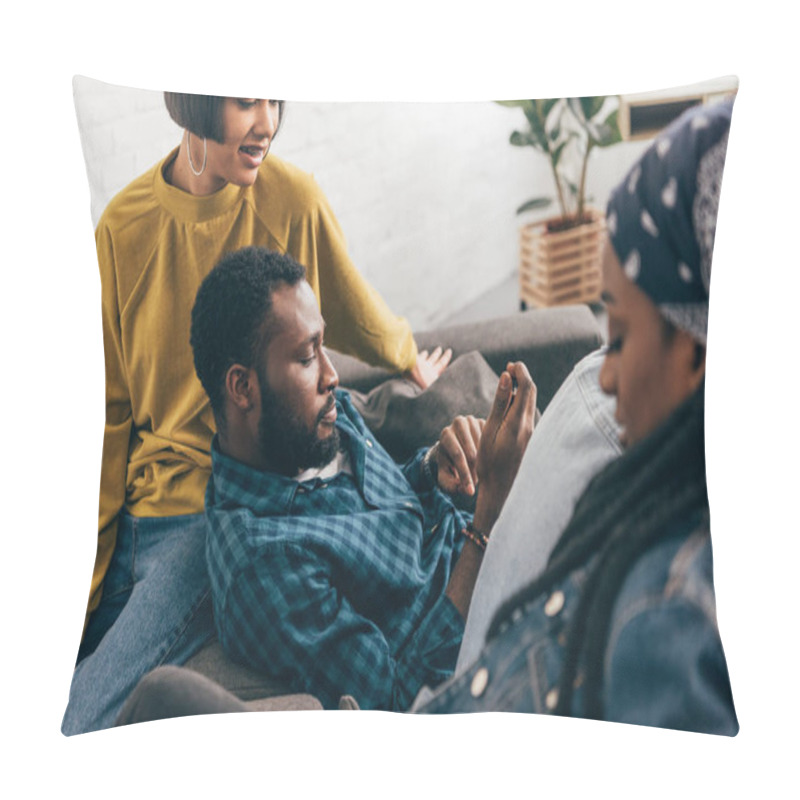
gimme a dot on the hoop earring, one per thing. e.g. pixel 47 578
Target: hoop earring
pixel 195 172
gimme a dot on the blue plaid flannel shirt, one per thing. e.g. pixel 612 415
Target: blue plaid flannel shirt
pixel 337 586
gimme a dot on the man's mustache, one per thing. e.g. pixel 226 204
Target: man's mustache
pixel 328 406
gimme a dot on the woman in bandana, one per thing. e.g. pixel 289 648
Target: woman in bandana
pixel 621 623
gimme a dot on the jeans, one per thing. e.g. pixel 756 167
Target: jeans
pixel 575 438
pixel 155 609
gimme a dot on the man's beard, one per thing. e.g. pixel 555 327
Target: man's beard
pixel 287 444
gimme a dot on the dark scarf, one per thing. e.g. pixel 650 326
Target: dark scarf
pixel 625 510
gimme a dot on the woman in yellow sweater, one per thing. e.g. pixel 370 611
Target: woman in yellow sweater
pixel 157 239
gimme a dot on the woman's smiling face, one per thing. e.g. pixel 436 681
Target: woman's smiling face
pixel 248 127
pixel 649 371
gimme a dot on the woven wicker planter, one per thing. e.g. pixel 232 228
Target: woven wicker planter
pixel 562 267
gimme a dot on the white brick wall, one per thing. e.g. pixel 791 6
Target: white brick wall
pixel 425 192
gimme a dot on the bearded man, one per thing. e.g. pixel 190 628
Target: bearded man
pixel 333 569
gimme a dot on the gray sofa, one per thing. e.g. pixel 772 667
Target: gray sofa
pixel 549 341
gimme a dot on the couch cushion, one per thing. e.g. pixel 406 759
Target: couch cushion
pixel 245 683
pixel 404 418
pixel 287 702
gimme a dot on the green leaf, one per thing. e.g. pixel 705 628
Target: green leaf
pixel 536 202
pixel 519 139
pixel 535 118
pixel 514 103
pixel 538 132
pixel 583 108
pixel 526 139
pixel 558 151
pixel 548 105
pixel 591 105
pixel 608 132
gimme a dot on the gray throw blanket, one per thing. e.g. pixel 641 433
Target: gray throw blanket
pixel 404 418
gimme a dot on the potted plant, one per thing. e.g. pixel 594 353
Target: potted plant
pixel 560 256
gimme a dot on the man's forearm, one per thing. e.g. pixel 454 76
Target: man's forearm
pixel 465 574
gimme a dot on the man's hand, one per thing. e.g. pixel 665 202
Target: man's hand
pixel 429 366
pixel 503 440
pixel 502 445
pixel 456 455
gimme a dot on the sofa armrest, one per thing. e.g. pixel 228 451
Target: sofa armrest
pixel 550 341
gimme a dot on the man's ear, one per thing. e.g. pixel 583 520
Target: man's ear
pixel 241 387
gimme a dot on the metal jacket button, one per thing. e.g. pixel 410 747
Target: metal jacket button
pixel 551 699
pixel 479 682
pixel 554 603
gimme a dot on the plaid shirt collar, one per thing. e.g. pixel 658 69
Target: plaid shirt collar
pixel 269 494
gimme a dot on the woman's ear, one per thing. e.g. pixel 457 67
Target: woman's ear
pixel 693 358
pixel 700 357
pixel 241 387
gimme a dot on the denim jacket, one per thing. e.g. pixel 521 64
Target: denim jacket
pixel 664 663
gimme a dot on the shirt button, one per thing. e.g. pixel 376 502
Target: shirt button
pixel 551 699
pixel 323 486
pixel 369 443
pixel 301 490
pixel 479 682
pixel 554 604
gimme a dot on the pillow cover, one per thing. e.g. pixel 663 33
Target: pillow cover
pixel 420 233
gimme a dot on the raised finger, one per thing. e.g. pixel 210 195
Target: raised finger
pixel 499 404
pixel 444 359
pixel 476 430
pixel 524 385
pixel 454 452
pixel 525 399
pixel 465 431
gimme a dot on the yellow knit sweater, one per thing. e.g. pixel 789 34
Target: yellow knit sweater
pixel 155 244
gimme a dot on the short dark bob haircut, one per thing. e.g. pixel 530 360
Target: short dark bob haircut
pixel 201 114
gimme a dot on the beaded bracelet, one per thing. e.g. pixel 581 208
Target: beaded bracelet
pixel 430 468
pixel 475 536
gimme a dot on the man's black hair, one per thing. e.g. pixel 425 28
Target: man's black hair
pixel 230 314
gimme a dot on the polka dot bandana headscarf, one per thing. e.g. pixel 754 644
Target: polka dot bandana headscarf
pixel 662 218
